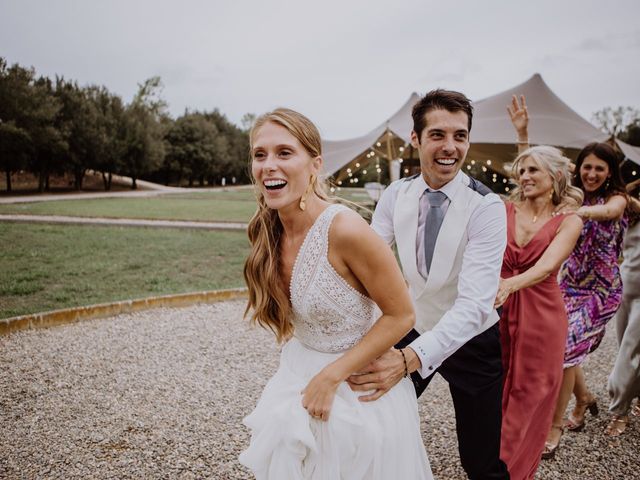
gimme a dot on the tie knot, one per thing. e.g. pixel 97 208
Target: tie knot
pixel 436 199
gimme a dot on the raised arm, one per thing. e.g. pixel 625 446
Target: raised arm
pixel 519 116
pixel 556 253
pixel 613 209
pixel 366 262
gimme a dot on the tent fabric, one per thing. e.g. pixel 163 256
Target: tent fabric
pixel 552 122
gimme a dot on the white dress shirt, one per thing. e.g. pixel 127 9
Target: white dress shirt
pixel 478 279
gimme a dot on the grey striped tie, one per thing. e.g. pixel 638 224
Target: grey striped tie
pixel 433 222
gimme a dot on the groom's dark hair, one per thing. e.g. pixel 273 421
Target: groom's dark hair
pixel 440 99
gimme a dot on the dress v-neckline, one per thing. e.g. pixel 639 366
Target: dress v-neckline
pixel 533 237
pixel 300 249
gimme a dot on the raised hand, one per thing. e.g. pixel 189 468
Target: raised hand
pixel 519 116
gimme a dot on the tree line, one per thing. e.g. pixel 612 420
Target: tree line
pixel 54 127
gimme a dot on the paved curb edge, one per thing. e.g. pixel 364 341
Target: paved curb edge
pixel 75 314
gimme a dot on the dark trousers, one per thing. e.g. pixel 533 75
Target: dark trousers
pixel 474 374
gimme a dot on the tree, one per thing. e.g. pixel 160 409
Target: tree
pixel 192 146
pixel 15 149
pixel 631 134
pixel 235 162
pixel 146 122
pixel 27 111
pixel 615 121
pixel 110 142
pixel 247 121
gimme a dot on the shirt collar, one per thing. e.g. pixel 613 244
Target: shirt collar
pixel 448 189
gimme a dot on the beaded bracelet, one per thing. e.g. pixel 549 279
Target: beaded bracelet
pixel 406 369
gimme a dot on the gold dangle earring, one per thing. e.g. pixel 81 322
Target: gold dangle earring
pixel 303 199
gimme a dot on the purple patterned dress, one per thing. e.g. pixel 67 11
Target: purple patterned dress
pixel 591 285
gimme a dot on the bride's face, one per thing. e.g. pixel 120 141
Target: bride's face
pixel 281 166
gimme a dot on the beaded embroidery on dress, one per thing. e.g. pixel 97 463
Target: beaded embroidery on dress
pixel 329 315
pixel 372 440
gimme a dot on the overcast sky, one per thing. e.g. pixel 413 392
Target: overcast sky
pixel 346 64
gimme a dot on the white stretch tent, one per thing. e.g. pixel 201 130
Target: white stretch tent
pixel 552 122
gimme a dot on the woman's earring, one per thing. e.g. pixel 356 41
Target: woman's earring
pixel 303 199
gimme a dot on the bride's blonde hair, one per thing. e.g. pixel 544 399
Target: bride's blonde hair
pixel 551 160
pixel 268 297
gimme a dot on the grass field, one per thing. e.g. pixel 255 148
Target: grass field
pixel 213 206
pixel 46 267
pixel 221 206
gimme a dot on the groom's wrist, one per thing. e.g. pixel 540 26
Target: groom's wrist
pixel 413 360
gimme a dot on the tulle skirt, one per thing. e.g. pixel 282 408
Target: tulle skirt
pixel 361 440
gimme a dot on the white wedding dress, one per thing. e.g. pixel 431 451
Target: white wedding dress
pixel 372 440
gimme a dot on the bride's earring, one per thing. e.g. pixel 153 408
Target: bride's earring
pixel 303 199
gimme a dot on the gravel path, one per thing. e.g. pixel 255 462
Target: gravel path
pixel 161 394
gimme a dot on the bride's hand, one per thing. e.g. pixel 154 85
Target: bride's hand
pixel 318 395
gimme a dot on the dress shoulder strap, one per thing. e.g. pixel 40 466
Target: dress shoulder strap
pixel 313 249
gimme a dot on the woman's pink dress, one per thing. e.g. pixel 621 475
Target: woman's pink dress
pixel 533 333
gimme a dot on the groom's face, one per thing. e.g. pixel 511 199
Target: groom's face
pixel 442 146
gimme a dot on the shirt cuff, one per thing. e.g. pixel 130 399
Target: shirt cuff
pixel 424 346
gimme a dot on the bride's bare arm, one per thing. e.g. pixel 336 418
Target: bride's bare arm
pixel 368 264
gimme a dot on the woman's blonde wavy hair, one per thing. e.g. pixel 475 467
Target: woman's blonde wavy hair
pixel 551 160
pixel 268 303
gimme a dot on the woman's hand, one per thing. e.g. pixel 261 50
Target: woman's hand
pixel 504 290
pixel 318 395
pixel 519 117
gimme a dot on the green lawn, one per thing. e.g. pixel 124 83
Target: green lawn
pixel 230 206
pixel 207 206
pixel 46 267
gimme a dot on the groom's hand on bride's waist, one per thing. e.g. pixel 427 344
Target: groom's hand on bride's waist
pixel 383 373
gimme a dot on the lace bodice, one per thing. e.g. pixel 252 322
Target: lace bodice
pixel 328 314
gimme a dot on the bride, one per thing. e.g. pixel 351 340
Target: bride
pixel 330 289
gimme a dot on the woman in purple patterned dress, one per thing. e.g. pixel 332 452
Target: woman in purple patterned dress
pixel 590 279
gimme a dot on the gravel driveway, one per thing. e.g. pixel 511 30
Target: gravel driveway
pixel 161 394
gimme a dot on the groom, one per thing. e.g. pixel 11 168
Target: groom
pixel 450 232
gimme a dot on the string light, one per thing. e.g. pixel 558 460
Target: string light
pixel 468 167
pixel 378 144
pixel 473 162
pixel 406 170
pixel 634 173
pixel 488 162
pixel 401 149
pixel 358 165
pixel 364 172
pixel 484 169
